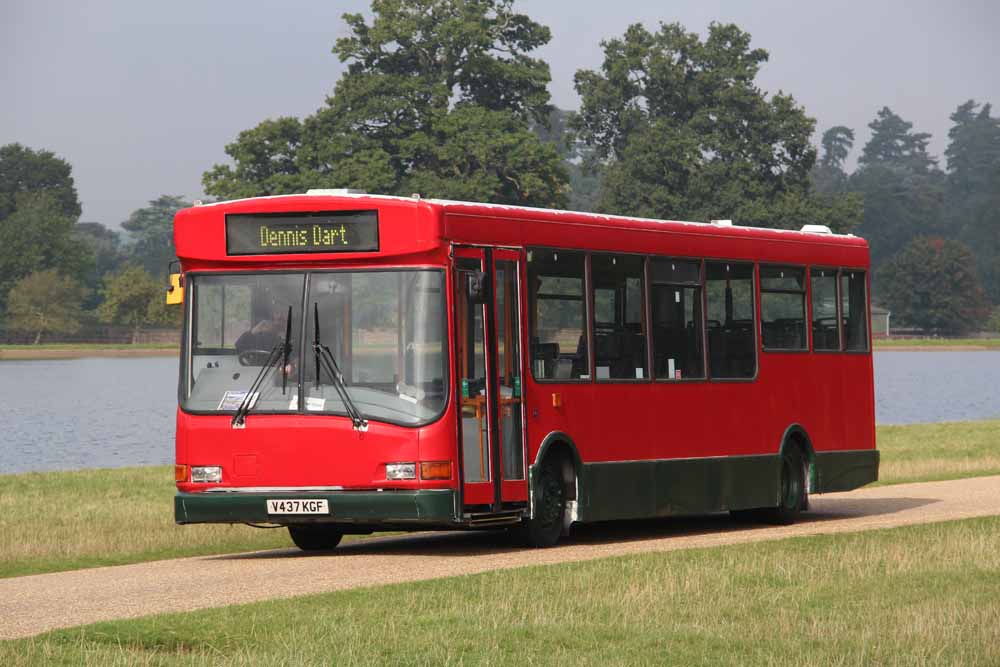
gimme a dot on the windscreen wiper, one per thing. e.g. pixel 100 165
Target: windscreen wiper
pixel 280 352
pixel 325 360
pixel 287 350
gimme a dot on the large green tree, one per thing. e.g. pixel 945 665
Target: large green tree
pixel 45 302
pixel 973 152
pixel 972 196
pixel 829 174
pixel 903 189
pixel 104 245
pixel 133 298
pixel 437 99
pixel 23 170
pixel 686 133
pixel 151 229
pixel 894 141
pixel 38 235
pixel 38 208
pixel 265 162
pixel 932 284
pixel 585 173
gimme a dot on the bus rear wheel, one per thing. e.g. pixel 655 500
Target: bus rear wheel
pixel 315 537
pixel 545 527
pixel 792 489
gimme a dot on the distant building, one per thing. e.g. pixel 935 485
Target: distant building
pixel 880 322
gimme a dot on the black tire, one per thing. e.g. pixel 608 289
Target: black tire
pixel 544 529
pixel 315 537
pixel 792 491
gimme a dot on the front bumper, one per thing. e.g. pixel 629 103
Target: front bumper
pixel 432 507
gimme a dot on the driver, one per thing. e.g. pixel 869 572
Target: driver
pixel 266 333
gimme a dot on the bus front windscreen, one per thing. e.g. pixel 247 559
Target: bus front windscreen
pixel 385 330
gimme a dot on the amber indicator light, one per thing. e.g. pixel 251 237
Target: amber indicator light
pixel 435 470
pixel 180 473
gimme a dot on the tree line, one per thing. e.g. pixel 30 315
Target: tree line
pixel 934 230
pixel 444 98
pixel 58 274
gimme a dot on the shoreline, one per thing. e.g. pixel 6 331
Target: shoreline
pixel 30 353
pixel 936 348
pixel 909 344
pixel 70 351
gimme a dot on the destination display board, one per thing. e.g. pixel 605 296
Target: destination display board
pixel 288 233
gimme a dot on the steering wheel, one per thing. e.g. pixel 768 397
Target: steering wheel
pixel 253 357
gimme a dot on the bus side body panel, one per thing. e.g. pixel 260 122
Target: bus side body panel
pixel 663 448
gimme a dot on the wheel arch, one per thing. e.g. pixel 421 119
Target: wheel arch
pixel 561 445
pixel 796 435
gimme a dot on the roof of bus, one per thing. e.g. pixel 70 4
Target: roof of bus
pixel 276 203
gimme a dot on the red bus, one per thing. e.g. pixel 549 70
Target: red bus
pixel 355 363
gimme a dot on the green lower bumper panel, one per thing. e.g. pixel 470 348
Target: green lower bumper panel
pixel 845 470
pixel 431 507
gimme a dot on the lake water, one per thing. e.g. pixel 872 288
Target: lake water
pixel 87 413
pixel 919 387
pixel 97 413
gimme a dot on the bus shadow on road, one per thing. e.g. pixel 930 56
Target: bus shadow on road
pixel 474 543
pixel 721 523
pixel 828 509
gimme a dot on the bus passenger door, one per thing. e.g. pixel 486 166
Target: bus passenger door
pixel 488 387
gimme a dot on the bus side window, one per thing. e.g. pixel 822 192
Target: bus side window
pixel 854 310
pixel 825 332
pixel 730 320
pixel 557 315
pixel 676 328
pixel 783 307
pixel 619 328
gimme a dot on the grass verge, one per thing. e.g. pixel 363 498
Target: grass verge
pixel 917 595
pixel 74 350
pixel 69 520
pixel 932 452
pixel 87 518
pixel 938 343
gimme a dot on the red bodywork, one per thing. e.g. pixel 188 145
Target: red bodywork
pixel 828 394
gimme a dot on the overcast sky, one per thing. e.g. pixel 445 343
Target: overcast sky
pixel 142 97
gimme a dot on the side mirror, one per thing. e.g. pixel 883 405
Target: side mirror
pixel 175 290
pixel 476 287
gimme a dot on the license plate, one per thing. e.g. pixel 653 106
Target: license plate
pixel 297 506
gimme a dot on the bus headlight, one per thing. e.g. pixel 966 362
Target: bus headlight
pixel 206 474
pixel 400 470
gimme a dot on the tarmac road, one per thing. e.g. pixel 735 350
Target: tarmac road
pixel 34 604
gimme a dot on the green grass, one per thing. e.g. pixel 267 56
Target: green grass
pixel 132 508
pixel 931 452
pixel 888 343
pixel 920 595
pixel 67 520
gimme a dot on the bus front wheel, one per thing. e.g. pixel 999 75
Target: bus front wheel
pixel 315 537
pixel 544 528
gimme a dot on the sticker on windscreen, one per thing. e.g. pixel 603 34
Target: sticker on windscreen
pixel 232 400
pixel 313 403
